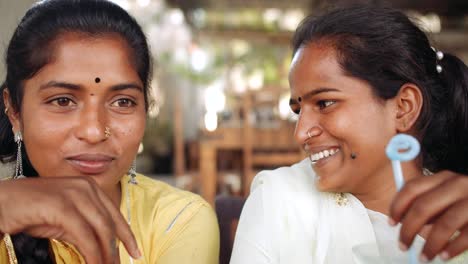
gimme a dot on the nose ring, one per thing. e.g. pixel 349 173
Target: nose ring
pixel 107 132
pixel 308 134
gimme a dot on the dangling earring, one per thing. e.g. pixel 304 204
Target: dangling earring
pixel 19 156
pixel 132 173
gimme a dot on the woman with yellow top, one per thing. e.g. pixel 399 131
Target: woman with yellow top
pixel 74 106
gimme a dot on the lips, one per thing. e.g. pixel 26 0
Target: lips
pixel 91 163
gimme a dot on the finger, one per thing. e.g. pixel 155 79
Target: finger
pixel 412 189
pixel 96 213
pixel 445 227
pixel 426 207
pixel 123 230
pixel 456 246
pixel 77 231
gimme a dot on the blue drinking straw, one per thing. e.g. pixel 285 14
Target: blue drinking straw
pixel 403 147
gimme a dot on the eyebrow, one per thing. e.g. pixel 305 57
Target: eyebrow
pixel 311 94
pixel 72 86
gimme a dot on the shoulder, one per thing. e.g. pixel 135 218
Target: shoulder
pixel 287 180
pixel 170 217
pixel 165 197
pixel 165 193
pixel 170 207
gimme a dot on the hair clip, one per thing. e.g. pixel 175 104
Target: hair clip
pixel 439 56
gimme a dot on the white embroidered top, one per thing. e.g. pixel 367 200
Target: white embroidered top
pixel 287 220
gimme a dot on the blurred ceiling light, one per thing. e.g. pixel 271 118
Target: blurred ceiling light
pixel 237 78
pixel 239 47
pixel 176 16
pixel 256 79
pixel 271 15
pixel 211 121
pixel 215 100
pixel 181 55
pixel 283 106
pixel 122 3
pixel 291 19
pixel 143 3
pixel 198 59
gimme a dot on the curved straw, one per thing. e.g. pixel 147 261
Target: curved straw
pixel 402 147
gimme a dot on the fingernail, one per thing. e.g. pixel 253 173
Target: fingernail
pixel 402 246
pixel 423 258
pixel 391 222
pixel 138 254
pixel 444 255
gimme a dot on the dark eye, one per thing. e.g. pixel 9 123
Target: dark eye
pixel 325 103
pixel 124 102
pixel 62 101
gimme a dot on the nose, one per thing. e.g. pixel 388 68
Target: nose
pixel 92 125
pixel 307 127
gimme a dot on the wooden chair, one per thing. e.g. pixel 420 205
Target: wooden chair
pixel 266 147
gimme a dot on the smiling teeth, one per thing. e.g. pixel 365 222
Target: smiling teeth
pixel 323 154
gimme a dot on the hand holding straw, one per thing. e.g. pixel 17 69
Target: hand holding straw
pixel 402 147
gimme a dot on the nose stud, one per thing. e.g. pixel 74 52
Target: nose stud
pixel 107 132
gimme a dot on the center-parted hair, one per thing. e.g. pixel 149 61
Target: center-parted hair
pixel 32 47
pixel 383 47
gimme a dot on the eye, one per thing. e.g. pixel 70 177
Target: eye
pixel 62 102
pixel 322 104
pixel 123 102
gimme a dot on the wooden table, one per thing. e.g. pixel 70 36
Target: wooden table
pixel 234 139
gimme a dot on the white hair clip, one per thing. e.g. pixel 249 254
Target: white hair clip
pixel 439 57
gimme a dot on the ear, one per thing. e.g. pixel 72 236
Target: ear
pixel 409 101
pixel 13 115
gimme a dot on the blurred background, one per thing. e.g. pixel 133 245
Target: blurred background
pixel 220 89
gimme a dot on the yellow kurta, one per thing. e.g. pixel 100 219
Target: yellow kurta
pixel 170 226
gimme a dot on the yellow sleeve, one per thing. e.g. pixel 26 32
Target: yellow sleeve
pixel 198 241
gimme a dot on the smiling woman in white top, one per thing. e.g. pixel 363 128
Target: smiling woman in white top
pixel 359 76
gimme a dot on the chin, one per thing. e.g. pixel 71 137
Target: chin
pixel 327 186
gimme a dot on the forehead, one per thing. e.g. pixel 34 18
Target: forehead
pixel 78 57
pixel 314 64
pixel 79 47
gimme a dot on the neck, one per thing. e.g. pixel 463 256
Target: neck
pixel 381 189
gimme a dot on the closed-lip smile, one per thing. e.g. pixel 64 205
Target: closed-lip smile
pixel 90 163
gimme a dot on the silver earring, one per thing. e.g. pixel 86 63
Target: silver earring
pixel 19 156
pixel 132 173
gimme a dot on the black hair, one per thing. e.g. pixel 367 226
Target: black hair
pixel 383 47
pixel 31 48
